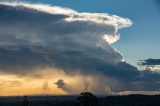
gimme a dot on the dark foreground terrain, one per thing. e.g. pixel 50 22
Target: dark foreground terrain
pixel 130 100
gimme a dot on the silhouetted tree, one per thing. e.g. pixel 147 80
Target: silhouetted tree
pixel 87 99
pixel 25 101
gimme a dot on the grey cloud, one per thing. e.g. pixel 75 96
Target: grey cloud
pixel 60 83
pixel 149 62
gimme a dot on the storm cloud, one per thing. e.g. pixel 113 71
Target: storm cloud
pixel 149 62
pixel 42 35
pixel 39 36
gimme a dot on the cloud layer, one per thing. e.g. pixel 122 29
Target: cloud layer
pixel 150 62
pixel 38 36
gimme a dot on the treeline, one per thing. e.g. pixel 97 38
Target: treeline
pixel 130 100
pixel 88 99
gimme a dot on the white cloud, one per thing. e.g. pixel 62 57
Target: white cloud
pixel 111 38
pixel 41 7
pixel 72 15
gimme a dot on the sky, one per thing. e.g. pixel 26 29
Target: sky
pixel 67 46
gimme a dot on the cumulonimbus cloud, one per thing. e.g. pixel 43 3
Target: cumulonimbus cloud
pixel 59 31
pixel 38 35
